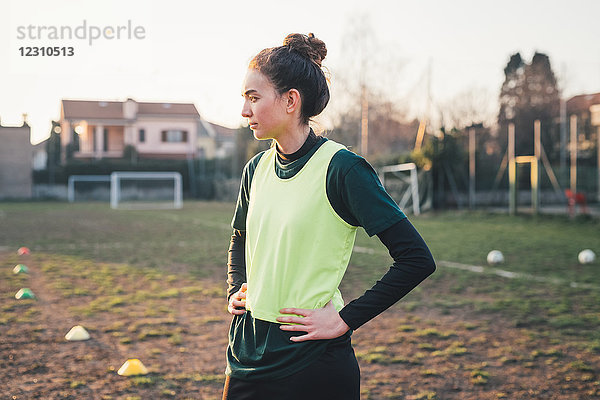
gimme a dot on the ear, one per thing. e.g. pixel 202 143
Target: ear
pixel 294 101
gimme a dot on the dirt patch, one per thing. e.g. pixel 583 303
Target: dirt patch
pixel 178 327
pixel 408 356
pixel 179 333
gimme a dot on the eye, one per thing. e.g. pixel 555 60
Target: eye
pixel 252 99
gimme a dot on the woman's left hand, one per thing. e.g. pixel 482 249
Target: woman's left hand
pixel 322 323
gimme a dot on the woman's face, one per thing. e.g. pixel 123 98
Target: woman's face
pixel 264 108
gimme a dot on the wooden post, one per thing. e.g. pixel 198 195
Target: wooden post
pixel 574 153
pixel 512 171
pixel 534 186
pixel 364 124
pixel 472 168
pixel 535 166
pixel 563 140
pixel 598 154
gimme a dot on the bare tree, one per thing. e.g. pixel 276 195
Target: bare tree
pixel 471 106
pixel 368 74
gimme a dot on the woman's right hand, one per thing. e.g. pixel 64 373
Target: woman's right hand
pixel 237 300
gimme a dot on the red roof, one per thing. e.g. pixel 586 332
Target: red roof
pixel 582 102
pixel 83 109
pixel 92 109
pixel 168 108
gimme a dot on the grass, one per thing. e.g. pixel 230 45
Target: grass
pixel 156 246
pixel 76 384
pixel 545 246
pixel 130 264
pixel 428 395
pixel 381 355
pixel 196 237
pixel 479 377
pixel 454 349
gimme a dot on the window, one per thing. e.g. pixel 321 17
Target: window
pixel 75 137
pixel 142 135
pixel 105 139
pixel 174 136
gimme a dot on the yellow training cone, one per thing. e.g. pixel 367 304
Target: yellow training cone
pixel 133 366
pixel 77 332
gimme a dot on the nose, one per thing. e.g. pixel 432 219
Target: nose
pixel 246 112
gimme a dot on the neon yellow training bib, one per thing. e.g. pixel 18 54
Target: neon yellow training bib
pixel 297 247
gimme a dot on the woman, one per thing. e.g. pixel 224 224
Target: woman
pixel 299 206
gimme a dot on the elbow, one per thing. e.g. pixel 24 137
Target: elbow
pixel 430 266
pixel 428 262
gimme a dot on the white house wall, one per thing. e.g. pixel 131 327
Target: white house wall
pixel 153 128
pixel 16 156
pixel 115 139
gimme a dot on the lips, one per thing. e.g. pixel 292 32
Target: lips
pixel 253 125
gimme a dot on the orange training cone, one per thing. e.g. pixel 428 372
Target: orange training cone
pixel 133 366
pixel 23 251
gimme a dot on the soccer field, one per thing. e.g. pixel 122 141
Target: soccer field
pixel 151 285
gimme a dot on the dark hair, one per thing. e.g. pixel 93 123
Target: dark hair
pixel 297 65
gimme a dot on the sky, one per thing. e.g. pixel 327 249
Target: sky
pixel 198 51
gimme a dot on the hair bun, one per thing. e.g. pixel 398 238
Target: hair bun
pixel 307 45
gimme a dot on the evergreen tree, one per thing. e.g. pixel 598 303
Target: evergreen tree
pixel 529 92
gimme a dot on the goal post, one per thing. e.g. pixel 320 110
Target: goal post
pixel 413 181
pixel 168 196
pixel 103 180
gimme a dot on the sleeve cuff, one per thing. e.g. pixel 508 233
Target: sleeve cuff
pixel 354 325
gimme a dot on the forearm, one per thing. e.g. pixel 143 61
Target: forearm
pixel 413 263
pixel 236 262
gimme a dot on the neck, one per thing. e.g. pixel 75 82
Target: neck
pixel 293 140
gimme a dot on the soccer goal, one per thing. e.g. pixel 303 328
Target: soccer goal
pixel 406 188
pixel 146 190
pixel 88 188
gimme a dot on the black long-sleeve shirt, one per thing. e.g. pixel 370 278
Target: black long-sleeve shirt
pixel 357 196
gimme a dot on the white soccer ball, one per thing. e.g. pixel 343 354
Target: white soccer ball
pixel 495 257
pixel 586 256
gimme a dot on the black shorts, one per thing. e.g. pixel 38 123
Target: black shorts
pixel 333 376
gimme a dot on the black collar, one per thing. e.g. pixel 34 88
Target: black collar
pixel 310 141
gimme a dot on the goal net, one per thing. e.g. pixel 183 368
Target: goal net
pixel 88 188
pixel 146 190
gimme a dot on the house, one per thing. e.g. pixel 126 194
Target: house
pixel 16 157
pixel 40 157
pixel 104 129
pixel 587 109
pixel 222 137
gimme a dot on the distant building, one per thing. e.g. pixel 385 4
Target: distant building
pixel 223 139
pixel 16 158
pixel 587 109
pixel 103 129
pixel 40 157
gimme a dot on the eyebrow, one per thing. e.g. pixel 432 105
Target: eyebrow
pixel 249 91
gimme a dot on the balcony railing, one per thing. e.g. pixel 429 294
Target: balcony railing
pixel 98 154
